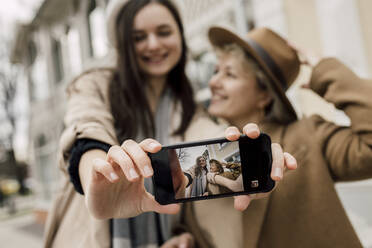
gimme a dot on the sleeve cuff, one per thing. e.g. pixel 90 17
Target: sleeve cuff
pixel 80 147
pixel 190 179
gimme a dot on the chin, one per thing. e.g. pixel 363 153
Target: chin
pixel 158 71
pixel 215 112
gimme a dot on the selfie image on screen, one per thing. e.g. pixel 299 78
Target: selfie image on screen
pixel 201 165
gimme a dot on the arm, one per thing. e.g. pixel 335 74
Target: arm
pixel 85 165
pixel 234 185
pixel 106 177
pixel 87 114
pixel 348 150
pixel 180 181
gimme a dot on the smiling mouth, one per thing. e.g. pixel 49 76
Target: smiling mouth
pixel 155 59
pixel 217 97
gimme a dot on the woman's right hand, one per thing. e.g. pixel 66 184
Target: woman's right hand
pixel 114 186
pixel 184 240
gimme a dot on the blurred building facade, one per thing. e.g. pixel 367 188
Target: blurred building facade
pixel 67 37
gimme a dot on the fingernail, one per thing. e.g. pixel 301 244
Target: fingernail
pixel 132 173
pixel 291 160
pixel 113 176
pixel 153 145
pixel 251 129
pixel 231 132
pixel 278 172
pixel 147 171
pixel 183 245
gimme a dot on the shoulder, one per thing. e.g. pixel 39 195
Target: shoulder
pixel 93 80
pixel 298 131
pixel 203 127
pixel 305 135
pixel 191 169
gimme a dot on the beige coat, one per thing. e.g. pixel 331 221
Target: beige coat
pixel 88 116
pixel 304 210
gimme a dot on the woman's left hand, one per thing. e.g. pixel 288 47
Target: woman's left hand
pixel 281 161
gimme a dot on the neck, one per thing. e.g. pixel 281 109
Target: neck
pixel 241 122
pixel 155 88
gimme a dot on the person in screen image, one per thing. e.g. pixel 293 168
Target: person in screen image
pixel 217 169
pixel 227 181
pixel 251 77
pixel 197 177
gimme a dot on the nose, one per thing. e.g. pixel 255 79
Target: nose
pixel 215 81
pixel 153 42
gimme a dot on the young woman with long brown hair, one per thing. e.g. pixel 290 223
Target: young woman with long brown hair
pixel 110 114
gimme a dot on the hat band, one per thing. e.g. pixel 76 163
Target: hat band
pixel 269 62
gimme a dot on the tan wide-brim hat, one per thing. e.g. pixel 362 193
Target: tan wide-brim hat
pixel 276 58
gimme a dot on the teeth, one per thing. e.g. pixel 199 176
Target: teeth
pixel 155 59
pixel 217 97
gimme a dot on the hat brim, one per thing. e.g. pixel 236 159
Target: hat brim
pixel 283 109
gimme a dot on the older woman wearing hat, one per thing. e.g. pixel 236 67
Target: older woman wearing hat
pixel 249 85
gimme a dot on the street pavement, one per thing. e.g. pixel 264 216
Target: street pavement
pixel 357 200
pixel 21 230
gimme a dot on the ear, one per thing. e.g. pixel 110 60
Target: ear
pixel 264 99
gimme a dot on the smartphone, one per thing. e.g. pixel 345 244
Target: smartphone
pixel 212 168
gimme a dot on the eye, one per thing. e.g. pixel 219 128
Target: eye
pixel 164 30
pixel 164 33
pixel 230 74
pixel 139 37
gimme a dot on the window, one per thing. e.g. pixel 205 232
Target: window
pixel 31 52
pixel 38 76
pixel 74 53
pixel 222 145
pixel 57 60
pixel 97 30
pixel 233 158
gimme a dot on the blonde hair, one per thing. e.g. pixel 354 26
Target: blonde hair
pixel 262 80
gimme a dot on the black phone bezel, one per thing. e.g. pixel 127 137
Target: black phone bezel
pixel 162 178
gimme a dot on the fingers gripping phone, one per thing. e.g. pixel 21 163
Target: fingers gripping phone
pixel 212 168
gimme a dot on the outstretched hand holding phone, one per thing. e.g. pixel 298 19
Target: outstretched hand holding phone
pixel 114 185
pixel 280 162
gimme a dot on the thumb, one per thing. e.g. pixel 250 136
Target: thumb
pixel 150 204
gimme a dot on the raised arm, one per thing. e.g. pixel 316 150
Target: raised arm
pixel 348 150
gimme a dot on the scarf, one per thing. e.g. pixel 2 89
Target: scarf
pixel 200 184
pixel 149 229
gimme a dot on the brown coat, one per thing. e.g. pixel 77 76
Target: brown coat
pixel 304 210
pixel 88 116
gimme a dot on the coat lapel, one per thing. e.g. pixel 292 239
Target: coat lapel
pixel 254 216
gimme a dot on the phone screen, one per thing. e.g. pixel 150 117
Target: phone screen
pixel 201 165
pixel 213 168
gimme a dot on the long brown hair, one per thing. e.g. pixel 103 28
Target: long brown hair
pixel 129 105
pixel 199 169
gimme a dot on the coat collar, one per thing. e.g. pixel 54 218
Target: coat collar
pixel 275 130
